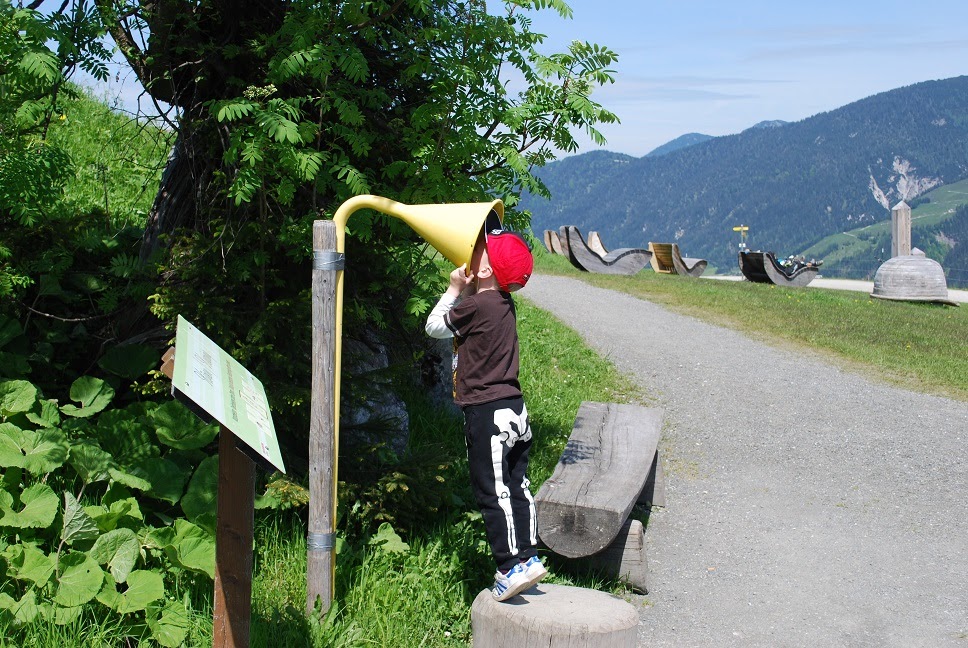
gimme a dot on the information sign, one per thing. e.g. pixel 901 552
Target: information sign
pixel 215 382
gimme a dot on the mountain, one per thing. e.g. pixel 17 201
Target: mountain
pixel 771 123
pixel 792 185
pixel 678 143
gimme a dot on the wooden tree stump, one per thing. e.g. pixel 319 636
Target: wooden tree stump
pixel 554 616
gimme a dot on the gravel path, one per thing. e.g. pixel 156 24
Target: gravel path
pixel 807 506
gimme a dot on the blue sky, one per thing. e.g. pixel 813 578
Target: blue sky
pixel 718 67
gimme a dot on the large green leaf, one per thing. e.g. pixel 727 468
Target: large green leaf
pixel 47 453
pixel 193 548
pixel 387 540
pixel 39 509
pixel 11 440
pixel 129 480
pixel 16 396
pixel 92 393
pixel 109 594
pixel 37 452
pixel 166 477
pixel 25 610
pixel 160 538
pixel 177 427
pixel 67 615
pixel 144 587
pixel 78 525
pixel 119 550
pixel 110 517
pixel 202 494
pixel 28 563
pixel 90 462
pixel 13 364
pixel 80 579
pixel 130 361
pixel 9 330
pixel 170 627
pixel 45 414
pixel 128 439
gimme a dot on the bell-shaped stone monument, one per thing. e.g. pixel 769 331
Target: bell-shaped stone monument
pixel 909 275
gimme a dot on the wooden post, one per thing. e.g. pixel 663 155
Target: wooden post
pixel 322 427
pixel 900 230
pixel 233 545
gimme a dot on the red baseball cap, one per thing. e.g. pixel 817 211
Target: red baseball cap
pixel 510 259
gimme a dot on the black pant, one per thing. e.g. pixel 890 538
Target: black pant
pixel 498 439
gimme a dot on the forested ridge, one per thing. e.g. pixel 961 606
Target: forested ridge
pixel 793 184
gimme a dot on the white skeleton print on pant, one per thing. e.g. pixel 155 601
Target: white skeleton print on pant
pixel 514 427
pixel 499 439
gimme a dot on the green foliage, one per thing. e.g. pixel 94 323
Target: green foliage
pixel 33 82
pixel 73 535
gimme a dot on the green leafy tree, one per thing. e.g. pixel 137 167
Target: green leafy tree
pixel 286 109
pixel 283 110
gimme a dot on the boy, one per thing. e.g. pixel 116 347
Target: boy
pixel 478 312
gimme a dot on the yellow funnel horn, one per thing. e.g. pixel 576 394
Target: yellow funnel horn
pixel 451 228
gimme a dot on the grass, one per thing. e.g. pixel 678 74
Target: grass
pixel 118 161
pixel 918 346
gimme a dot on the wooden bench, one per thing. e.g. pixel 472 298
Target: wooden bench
pixel 624 261
pixel 667 259
pixel 762 267
pixel 609 465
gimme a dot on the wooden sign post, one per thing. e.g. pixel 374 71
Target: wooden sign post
pixel 320 541
pixel 234 530
pixel 215 386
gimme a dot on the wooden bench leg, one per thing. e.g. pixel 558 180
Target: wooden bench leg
pixel 625 559
pixel 654 491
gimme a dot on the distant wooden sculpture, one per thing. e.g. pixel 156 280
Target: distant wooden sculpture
pixel 912 277
pixel 552 244
pixel 595 243
pixel 667 259
pixel 624 261
pixel 762 267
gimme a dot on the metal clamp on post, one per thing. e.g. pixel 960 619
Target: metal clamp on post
pixel 320 541
pixel 328 260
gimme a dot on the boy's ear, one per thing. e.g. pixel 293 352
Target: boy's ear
pixel 484 272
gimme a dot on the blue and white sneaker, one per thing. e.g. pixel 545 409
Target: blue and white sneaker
pixel 534 570
pixel 510 584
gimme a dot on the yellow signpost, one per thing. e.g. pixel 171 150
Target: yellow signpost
pixel 742 229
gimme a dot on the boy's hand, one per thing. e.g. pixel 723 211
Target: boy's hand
pixel 459 281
